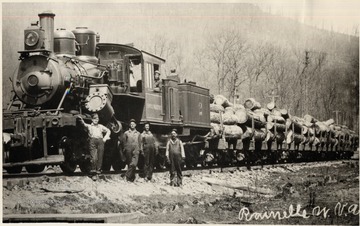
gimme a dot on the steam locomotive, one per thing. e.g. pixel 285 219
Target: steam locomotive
pixel 63 74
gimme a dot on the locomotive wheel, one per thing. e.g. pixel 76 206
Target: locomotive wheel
pixel 34 168
pixel 189 163
pixel 85 167
pixel 160 164
pixel 68 167
pixel 13 169
pixel 112 155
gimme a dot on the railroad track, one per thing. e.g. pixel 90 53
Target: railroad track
pixel 55 172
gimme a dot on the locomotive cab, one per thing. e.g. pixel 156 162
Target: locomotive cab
pixel 131 80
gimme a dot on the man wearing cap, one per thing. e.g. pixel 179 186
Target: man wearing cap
pixel 97 141
pixel 132 140
pixel 157 80
pixel 175 154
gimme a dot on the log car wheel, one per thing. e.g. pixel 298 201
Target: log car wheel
pixel 192 153
pixel 11 156
pixel 34 168
pixel 13 169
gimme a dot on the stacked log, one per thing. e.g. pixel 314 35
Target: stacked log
pixel 252 104
pixel 232 131
pixel 241 115
pixel 214 117
pixel 222 101
pixel 257 118
pixel 320 132
pixel 274 124
pixel 271 106
pixel 300 130
pixel 223 118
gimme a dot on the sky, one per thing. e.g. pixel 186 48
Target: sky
pixel 340 16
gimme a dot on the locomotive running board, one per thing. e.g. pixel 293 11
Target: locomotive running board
pixel 51 159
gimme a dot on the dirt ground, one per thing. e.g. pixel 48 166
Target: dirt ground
pixel 311 193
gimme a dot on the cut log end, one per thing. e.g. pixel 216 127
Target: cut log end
pixel 271 105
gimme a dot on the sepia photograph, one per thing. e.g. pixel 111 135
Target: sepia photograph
pixel 192 112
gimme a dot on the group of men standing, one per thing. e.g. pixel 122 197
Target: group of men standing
pixel 133 144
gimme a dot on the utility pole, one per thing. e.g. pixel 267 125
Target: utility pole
pixel 273 96
pixel 236 96
pixel 306 82
pixel 337 116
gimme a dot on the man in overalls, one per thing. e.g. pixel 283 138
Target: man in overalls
pixel 175 154
pixel 149 147
pixel 132 140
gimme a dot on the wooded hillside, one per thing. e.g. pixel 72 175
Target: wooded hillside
pixel 228 48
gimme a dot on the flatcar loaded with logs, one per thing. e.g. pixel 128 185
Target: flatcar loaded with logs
pixel 65 74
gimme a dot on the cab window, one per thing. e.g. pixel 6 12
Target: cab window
pixel 150 74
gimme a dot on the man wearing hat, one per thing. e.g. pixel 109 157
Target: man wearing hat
pixel 175 154
pixel 157 80
pixel 132 141
pixel 97 141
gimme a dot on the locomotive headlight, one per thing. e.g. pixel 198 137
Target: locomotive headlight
pixel 33 80
pixel 31 38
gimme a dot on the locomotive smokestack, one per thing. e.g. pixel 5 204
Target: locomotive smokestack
pixel 47 24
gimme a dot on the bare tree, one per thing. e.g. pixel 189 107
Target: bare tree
pixel 164 47
pixel 225 52
pixel 259 58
